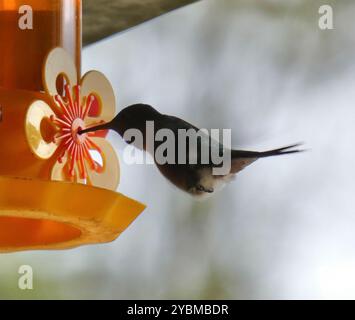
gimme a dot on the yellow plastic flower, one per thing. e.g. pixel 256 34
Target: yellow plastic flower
pixel 52 129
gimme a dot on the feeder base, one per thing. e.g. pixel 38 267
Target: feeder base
pixel 49 215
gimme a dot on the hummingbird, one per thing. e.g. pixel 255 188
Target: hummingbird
pixel 197 178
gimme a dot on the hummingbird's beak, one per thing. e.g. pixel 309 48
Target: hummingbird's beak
pixel 105 126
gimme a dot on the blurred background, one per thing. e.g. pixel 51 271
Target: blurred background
pixel 285 228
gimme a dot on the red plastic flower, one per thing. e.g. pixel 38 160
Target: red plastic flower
pixel 87 158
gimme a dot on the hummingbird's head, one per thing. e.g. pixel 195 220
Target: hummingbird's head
pixel 135 117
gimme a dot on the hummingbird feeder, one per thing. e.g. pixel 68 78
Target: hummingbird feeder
pixel 57 187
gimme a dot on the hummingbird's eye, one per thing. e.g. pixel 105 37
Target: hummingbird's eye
pixel 128 138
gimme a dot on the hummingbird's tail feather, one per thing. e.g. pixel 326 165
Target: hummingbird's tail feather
pixel 242 159
pixel 275 152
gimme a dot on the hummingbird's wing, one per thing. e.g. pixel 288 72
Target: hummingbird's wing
pixel 204 146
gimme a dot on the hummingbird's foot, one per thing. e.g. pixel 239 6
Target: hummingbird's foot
pixel 201 188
